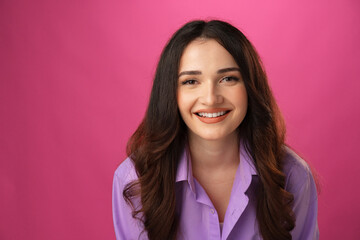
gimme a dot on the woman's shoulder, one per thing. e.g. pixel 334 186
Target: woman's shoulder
pixel 292 161
pixel 297 171
pixel 300 182
pixel 126 227
pixel 126 172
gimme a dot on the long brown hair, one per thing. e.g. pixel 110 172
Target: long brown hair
pixel 156 145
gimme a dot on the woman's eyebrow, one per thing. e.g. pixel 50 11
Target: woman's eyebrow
pixel 196 72
pixel 224 70
pixel 190 73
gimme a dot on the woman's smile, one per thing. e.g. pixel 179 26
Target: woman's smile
pixel 210 116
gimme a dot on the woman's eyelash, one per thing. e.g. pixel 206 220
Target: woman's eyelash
pixel 188 82
pixel 226 79
pixel 231 78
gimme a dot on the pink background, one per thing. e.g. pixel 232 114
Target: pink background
pixel 75 78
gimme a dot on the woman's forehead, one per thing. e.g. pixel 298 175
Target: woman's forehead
pixel 205 54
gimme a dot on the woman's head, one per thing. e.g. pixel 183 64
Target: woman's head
pixel 163 106
pixel 211 94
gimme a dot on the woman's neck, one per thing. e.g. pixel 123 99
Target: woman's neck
pixel 214 166
pixel 212 155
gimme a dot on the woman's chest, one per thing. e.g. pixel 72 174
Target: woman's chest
pixel 199 219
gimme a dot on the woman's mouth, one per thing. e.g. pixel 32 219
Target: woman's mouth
pixel 212 116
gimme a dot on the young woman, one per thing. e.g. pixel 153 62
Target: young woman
pixel 209 159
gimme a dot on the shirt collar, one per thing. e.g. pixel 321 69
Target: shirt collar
pixel 244 172
pixel 184 170
pixel 246 161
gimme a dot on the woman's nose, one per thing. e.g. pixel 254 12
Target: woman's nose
pixel 211 95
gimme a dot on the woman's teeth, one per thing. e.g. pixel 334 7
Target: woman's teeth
pixel 211 115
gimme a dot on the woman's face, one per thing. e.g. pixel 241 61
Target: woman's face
pixel 211 95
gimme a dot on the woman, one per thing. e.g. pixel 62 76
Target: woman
pixel 209 159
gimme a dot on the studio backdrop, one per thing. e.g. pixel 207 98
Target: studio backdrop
pixel 75 78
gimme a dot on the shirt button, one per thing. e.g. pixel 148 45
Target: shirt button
pixel 212 211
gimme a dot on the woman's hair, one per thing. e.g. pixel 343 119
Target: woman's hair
pixel 157 144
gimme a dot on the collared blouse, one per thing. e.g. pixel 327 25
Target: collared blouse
pixel 198 216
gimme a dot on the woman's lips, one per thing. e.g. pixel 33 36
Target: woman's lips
pixel 212 115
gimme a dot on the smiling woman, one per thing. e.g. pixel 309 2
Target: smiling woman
pixel 209 159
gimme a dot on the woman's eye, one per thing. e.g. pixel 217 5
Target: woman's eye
pixel 188 82
pixel 229 79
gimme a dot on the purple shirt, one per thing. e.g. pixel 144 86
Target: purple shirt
pixel 198 217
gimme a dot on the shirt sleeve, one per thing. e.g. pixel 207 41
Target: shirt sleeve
pixel 305 207
pixel 125 226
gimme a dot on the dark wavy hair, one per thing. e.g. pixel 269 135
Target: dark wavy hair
pixel 158 142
